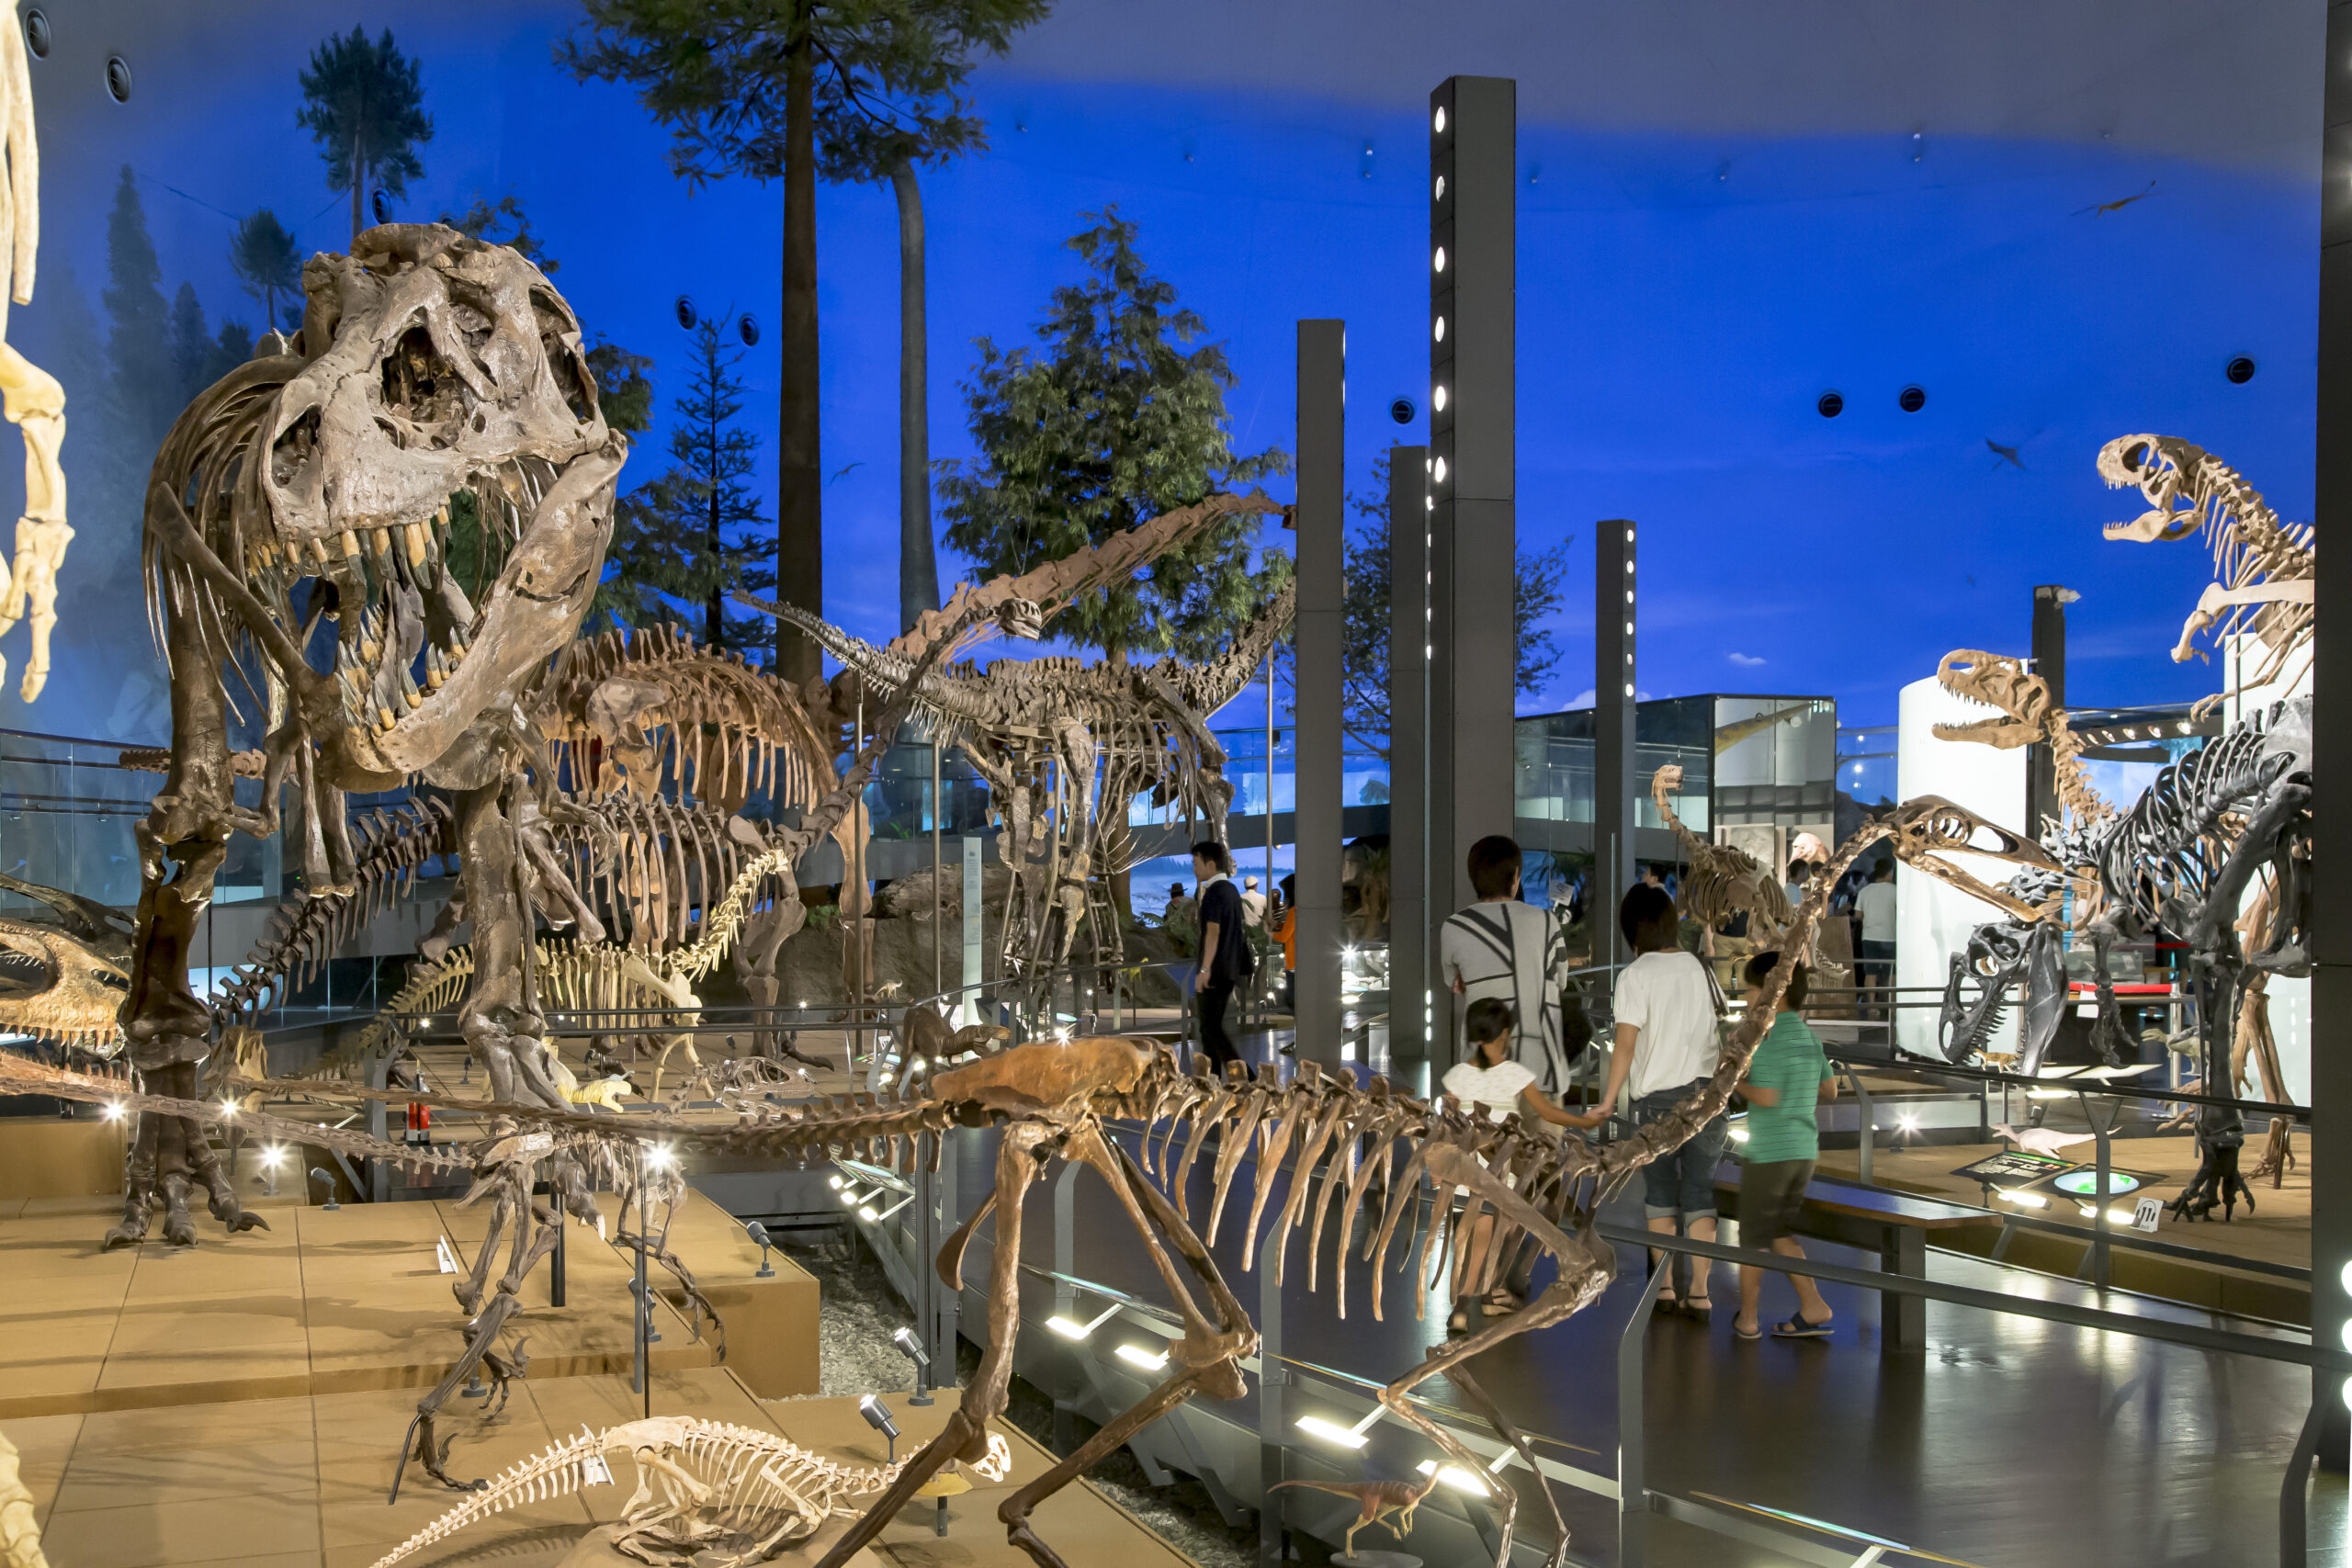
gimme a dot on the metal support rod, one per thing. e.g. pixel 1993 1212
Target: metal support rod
pixel 1271 1426
pixel 1632 1494
pixel 555 1264
pixel 2294 1549
pixel 2099 1196
pixel 643 1374
pixel 1866 1127
pixel 938 900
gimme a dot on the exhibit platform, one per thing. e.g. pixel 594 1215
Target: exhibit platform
pixel 300 1482
pixel 350 1300
pixel 2233 1276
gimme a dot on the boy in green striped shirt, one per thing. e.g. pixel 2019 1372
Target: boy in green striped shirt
pixel 1786 1078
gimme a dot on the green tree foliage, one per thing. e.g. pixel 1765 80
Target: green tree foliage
pixel 263 254
pixel 683 541
pixel 743 87
pixel 364 105
pixel 1115 421
pixel 1364 623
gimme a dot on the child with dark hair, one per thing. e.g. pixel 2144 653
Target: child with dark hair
pixel 1667 1010
pixel 1492 1081
pixel 1786 1078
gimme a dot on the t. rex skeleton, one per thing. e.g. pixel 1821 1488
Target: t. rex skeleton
pixel 735 1489
pixel 2264 569
pixel 29 396
pixel 1056 1100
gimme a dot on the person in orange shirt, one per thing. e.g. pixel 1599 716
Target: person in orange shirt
pixel 1285 931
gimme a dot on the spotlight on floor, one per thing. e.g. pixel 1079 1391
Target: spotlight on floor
pixel 911 1346
pixel 877 1415
pixel 318 1175
pixel 759 1233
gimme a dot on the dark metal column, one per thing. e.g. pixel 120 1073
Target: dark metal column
pixel 2049 603
pixel 2331 1141
pixel 1322 504
pixel 1474 226
pixel 1616 793
pixel 1409 725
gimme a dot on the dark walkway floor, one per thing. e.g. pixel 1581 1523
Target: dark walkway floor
pixel 2008 1441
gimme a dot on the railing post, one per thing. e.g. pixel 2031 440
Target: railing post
pixel 1866 1134
pixel 1633 1494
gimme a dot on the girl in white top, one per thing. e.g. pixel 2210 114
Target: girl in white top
pixel 1493 1082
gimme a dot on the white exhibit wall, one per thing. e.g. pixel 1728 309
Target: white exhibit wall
pixel 2291 999
pixel 1932 920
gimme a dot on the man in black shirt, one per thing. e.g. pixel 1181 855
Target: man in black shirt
pixel 1226 958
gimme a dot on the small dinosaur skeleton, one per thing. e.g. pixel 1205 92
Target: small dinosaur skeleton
pixel 1724 882
pixel 702 1486
pixel 2264 570
pixel 1377 1502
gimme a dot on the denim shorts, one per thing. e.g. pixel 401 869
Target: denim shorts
pixel 1682 1183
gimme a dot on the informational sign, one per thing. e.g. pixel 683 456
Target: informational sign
pixel 967 1012
pixel 2012 1166
pixel 2146 1216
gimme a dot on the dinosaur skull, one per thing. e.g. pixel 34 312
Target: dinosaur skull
pixel 442 372
pixel 1995 682
pixel 55 987
pixel 2158 467
pixel 1928 829
pixel 1024 618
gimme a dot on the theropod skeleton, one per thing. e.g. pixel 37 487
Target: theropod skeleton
pixel 1053 1100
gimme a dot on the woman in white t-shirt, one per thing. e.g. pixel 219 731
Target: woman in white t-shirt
pixel 1667 1010
pixel 1493 1082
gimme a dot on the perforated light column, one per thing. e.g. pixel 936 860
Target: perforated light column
pixel 1473 229
pixel 1410 1003
pixel 1322 508
pixel 1616 793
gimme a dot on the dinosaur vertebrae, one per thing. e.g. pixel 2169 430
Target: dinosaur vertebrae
pixel 18 1076
pixel 721 1485
pixel 392 845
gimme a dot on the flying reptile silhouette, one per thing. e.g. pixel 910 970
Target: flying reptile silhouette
pixel 839 473
pixel 2107 207
pixel 2005 454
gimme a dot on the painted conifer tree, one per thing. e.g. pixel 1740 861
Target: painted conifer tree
pixel 364 105
pixel 683 541
pixel 1113 420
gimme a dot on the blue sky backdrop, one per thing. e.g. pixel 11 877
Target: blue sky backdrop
pixel 1716 226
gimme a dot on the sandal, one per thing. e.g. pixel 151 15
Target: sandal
pixel 1749 1334
pixel 1796 1328
pixel 1701 1309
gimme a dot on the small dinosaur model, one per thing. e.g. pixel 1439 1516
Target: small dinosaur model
pixel 734 1491
pixel 1377 1499
pixel 2040 1139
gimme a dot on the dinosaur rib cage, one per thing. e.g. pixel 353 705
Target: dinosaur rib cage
pixel 726 730
pixel 2168 848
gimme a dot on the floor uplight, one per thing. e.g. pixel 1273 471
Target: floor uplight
pixel 1150 1360
pixel 2023 1200
pixel 1332 1432
pixel 1453 1475
pixel 1070 1329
